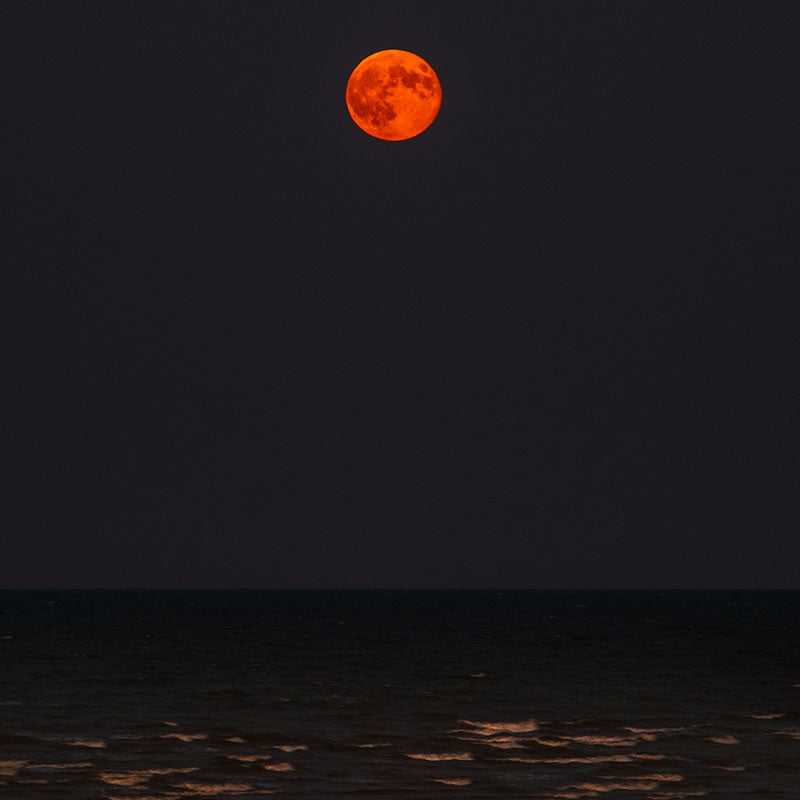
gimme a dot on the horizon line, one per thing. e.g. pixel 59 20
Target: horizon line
pixel 484 589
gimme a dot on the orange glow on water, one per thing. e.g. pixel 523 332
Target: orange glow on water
pixel 441 756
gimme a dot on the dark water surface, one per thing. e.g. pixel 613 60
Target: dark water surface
pixel 399 694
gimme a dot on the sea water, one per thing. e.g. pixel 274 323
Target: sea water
pixel 391 694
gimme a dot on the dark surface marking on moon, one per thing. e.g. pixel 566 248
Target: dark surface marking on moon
pixel 374 108
pixel 370 95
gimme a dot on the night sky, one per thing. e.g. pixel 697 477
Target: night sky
pixel 553 341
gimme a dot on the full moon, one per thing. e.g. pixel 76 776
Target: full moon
pixel 393 95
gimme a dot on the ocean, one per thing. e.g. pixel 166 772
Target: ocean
pixel 393 694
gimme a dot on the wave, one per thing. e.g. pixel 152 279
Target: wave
pixel 138 797
pixel 440 756
pixel 504 742
pixel 611 741
pixel 248 758
pixel 725 738
pixel 8 769
pixel 631 786
pixel 489 728
pixel 790 734
pixel 123 778
pixel 211 789
pixel 549 742
pixel 656 730
pixel 595 722
pixel 617 759
pixel 136 777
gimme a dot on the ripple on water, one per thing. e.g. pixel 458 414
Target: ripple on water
pixel 489 728
pixel 248 757
pixel 728 769
pixel 631 786
pixel 440 756
pixel 135 777
pixel 611 741
pixel 790 734
pixel 8 769
pixel 184 737
pixel 212 789
pixel 610 759
pixel 725 738
pixel 668 777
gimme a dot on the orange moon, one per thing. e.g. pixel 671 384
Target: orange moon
pixel 393 95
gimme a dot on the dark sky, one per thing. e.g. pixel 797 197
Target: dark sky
pixel 554 341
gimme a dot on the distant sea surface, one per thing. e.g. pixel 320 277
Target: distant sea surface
pixel 389 694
